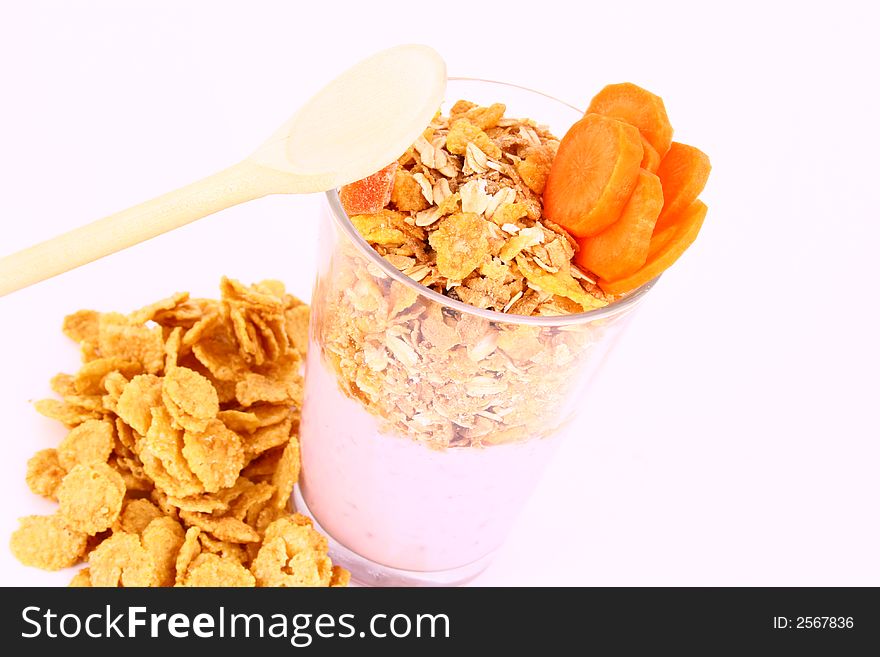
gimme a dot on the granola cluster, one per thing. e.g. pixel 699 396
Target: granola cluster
pixel 443 377
pixel 460 212
pixel 463 216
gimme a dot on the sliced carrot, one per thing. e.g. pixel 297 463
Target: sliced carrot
pixel 622 248
pixel 638 107
pixel 660 239
pixel 368 195
pixel 683 172
pixel 593 174
pixel 651 158
pixel 685 232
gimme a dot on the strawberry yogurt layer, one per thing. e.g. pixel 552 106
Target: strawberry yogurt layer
pixel 398 502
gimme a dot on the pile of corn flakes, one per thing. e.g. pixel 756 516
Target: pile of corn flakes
pixel 182 452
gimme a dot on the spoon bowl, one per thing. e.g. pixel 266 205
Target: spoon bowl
pixel 360 122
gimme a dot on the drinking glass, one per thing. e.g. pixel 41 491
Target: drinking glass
pixel 427 422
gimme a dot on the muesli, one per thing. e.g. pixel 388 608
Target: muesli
pixel 462 215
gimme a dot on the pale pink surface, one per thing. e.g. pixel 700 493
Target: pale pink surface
pixel 398 502
pixel 702 415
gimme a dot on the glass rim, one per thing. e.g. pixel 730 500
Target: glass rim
pixel 612 309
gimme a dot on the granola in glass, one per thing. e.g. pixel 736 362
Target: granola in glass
pixel 461 214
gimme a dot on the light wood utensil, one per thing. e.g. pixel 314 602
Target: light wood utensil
pixel 354 126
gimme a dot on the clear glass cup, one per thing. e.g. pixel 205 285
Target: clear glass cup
pixel 427 422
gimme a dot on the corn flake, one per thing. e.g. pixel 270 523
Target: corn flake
pixel 90 378
pixel 139 396
pixel 132 472
pixel 486 117
pixel 121 560
pixel 224 529
pixel 91 442
pixel 239 421
pixel 162 539
pixel 215 455
pixel 224 548
pixel 461 244
pixel 218 351
pixel 190 549
pixel 205 503
pixel 190 398
pixel 266 438
pixel 214 570
pixel 297 322
pixel 462 132
pixel 137 514
pixel 407 194
pixel 535 168
pixel 47 542
pixel 253 498
pixel 340 577
pixel 164 442
pixel 162 307
pixel 378 228
pixel 263 465
pixel 461 106
pixel 560 283
pixel 62 385
pixel 90 497
pixel 293 554
pixel 82 579
pixel 44 473
pixel 255 388
pixel 173 345
pixel 286 474
pixel 82 326
pixel 120 338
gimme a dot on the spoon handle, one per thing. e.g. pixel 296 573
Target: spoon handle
pixel 241 182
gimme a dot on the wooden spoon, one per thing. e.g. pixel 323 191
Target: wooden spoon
pixel 354 126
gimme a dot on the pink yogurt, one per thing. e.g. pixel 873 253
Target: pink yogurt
pixel 400 503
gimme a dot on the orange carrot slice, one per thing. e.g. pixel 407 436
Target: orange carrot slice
pixel 685 232
pixel 368 195
pixel 683 172
pixel 638 107
pixel 593 174
pixel 651 158
pixel 660 239
pixel 622 248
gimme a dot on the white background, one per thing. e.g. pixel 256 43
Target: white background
pixel 731 438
